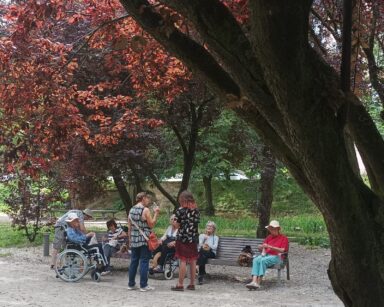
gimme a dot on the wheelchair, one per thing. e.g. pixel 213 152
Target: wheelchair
pixel 169 267
pixel 75 261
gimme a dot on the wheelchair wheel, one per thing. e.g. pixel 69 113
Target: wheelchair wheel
pixel 169 268
pixel 96 276
pixel 71 265
pixel 168 272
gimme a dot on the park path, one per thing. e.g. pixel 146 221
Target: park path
pixel 26 280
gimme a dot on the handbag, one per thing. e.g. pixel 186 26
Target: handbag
pixel 152 240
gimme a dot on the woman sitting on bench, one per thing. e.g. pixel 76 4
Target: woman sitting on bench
pixel 208 243
pixel 274 244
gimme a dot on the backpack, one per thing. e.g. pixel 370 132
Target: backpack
pixel 246 256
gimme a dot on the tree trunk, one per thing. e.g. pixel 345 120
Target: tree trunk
pixel 273 79
pixel 268 172
pixel 122 189
pixel 210 209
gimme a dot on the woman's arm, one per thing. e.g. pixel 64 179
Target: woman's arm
pixel 215 242
pixel 151 221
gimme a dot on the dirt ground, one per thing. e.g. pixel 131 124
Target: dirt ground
pixel 26 280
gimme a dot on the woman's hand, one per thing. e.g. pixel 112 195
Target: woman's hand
pixel 171 244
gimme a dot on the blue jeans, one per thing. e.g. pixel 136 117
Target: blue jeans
pixel 260 264
pixel 143 255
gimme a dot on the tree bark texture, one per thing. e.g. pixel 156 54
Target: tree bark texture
pixel 268 173
pixel 122 189
pixel 210 209
pixel 274 80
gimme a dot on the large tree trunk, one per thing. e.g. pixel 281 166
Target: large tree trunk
pixel 210 209
pixel 281 86
pixel 122 189
pixel 268 172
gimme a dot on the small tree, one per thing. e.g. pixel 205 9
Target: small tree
pixel 28 202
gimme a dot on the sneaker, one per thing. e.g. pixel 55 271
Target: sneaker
pixel 133 287
pixel 105 273
pixel 252 285
pixel 147 288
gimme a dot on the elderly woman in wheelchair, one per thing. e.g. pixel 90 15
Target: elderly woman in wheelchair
pixel 79 257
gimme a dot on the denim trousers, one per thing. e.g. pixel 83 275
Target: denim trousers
pixel 261 263
pixel 139 255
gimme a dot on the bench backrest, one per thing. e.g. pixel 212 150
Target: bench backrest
pixel 231 247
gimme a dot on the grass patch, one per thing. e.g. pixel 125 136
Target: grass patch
pixel 11 237
pixel 306 229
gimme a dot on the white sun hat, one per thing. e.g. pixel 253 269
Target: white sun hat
pixel 71 217
pixel 273 224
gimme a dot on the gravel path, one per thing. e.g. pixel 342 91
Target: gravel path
pixel 26 280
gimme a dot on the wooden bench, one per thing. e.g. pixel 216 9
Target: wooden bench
pixel 229 249
pixel 105 213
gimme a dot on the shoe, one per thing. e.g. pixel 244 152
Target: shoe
pixel 158 269
pixel 105 273
pixel 200 279
pixel 52 266
pixel 252 285
pixel 177 288
pixel 147 288
pixel 133 287
pixel 191 287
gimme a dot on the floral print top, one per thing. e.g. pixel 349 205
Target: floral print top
pixel 189 225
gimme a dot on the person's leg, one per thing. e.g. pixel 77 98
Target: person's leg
pixel 260 265
pixel 192 268
pixel 145 255
pixel 58 243
pixel 256 269
pixel 108 251
pixel 135 256
pixel 202 261
pixel 182 271
pixel 164 252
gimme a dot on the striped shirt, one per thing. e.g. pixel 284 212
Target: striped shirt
pixel 113 235
pixel 137 238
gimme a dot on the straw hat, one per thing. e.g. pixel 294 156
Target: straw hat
pixel 88 212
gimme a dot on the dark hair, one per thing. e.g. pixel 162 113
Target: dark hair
pixel 111 223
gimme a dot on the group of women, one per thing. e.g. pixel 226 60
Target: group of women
pixel 183 237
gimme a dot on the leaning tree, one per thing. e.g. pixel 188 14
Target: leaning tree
pixel 274 79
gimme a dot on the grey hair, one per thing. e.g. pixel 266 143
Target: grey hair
pixel 211 223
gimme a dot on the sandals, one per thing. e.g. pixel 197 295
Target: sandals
pixel 177 288
pixel 191 287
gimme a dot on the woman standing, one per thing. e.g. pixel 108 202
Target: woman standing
pixel 208 243
pixel 140 216
pixel 188 218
